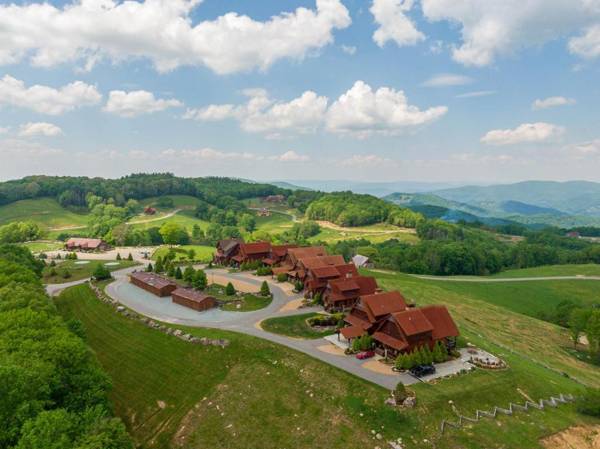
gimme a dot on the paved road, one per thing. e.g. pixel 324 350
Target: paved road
pixel 519 279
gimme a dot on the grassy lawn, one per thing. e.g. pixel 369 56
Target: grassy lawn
pixel 41 246
pixel 249 303
pixel 275 223
pixel 552 270
pixel 203 253
pixel 255 394
pixel 46 212
pixel 183 218
pixel 79 270
pixel 375 234
pixel 293 326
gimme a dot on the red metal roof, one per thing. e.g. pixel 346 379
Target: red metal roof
pixel 443 324
pixel 325 272
pixel 84 243
pixel 384 303
pixel 321 261
pixel 352 331
pixel 413 322
pixel 255 247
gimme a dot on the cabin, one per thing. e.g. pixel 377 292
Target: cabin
pixel 86 245
pixel 252 252
pixel 410 329
pixel 342 294
pixel 193 299
pixel 275 199
pixel 304 265
pixel 362 261
pixel 573 235
pixel 290 261
pixel 277 255
pixel 153 283
pixel 150 211
pixel 370 311
pixel 317 278
pixel 226 250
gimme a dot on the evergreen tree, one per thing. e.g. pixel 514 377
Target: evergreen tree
pixel 158 268
pixel 437 353
pixel 188 274
pixel 101 272
pixel 400 361
pixel 417 358
pixel 443 351
pixel 230 289
pixel 130 257
pixel 149 268
pixel 264 289
pixel 171 270
pixel 178 273
pixel 118 256
pixel 409 360
pixel 200 281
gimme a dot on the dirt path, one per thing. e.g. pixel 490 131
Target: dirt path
pixel 150 220
pixel 579 437
pixel 361 230
pixel 68 228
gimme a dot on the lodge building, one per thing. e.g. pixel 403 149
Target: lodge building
pixel 86 245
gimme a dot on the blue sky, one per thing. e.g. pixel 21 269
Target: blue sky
pixel 329 89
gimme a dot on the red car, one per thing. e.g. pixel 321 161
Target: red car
pixel 365 355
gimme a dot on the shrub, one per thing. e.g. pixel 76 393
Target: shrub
pixel 282 277
pixel 400 392
pixel 298 286
pixel 52 272
pixel 318 298
pixel 66 274
pixel 178 273
pixel 200 280
pixel 130 257
pixel 264 289
pixel 589 403
pixel 118 256
pixel 159 268
pixel 149 268
pixel 171 270
pixel 230 289
pixel 52 263
pixel 101 272
pixel 264 271
pixel 43 256
pixel 250 266
pixel 188 274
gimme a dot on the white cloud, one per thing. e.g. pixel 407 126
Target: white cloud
pixel 39 129
pixel 138 102
pixel 493 28
pixel 290 156
pixel 349 50
pixel 25 151
pixel 585 149
pixel 260 114
pixel 551 102
pixel 362 112
pixel 163 32
pixel 447 79
pixel 366 160
pixel 525 133
pixel 477 93
pixel 47 100
pixel 394 24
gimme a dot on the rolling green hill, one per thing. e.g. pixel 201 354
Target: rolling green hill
pixel 46 212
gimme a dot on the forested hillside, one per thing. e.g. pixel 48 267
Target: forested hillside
pixel 53 393
pixel 351 209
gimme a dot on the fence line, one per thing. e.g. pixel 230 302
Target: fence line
pixel 512 407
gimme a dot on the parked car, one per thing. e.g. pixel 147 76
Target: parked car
pixel 365 355
pixel 422 370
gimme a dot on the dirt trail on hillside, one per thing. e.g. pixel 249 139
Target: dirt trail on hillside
pixel 579 437
pixel 362 230
pixel 150 220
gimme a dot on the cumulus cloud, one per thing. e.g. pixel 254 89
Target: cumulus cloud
pixel 447 79
pixel 477 93
pixel 163 32
pixel 361 111
pixel 39 129
pixel 394 24
pixel 551 102
pixel 349 50
pixel 138 102
pixel 494 28
pixel 261 114
pixel 525 133
pixel 47 100
pixel 290 156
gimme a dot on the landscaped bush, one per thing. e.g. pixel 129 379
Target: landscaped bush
pixel 400 392
pixel 589 403
pixel 230 289
pixel 363 343
pixel 251 266
pixel 298 286
pixel 326 320
pixel 264 271
pixel 101 272
pixel 282 277
pixel 264 289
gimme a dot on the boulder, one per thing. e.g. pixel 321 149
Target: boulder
pixel 410 402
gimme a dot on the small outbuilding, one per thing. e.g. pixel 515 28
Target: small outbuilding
pixel 153 283
pixel 193 299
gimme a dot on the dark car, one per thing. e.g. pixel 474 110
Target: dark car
pixel 422 370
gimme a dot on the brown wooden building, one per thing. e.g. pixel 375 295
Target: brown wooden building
pixel 317 278
pixel 278 254
pixel 342 294
pixel 193 299
pixel 252 252
pixel 226 250
pixel 86 245
pixel 153 283
pixel 294 255
pixel 304 265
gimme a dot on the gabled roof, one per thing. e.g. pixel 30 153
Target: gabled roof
pixel 365 285
pixel 255 248
pixel 412 322
pixel 321 261
pixel 325 272
pixel 390 341
pixel 360 260
pixel 152 279
pixel 443 324
pixel 84 242
pixel 306 251
pixel 352 331
pixel 281 250
pixel 380 304
pixel 227 245
pixel 192 295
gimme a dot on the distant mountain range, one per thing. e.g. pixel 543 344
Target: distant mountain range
pixel 379 189
pixel 565 204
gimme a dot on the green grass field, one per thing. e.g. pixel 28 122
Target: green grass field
pixel 375 234
pixel 41 246
pixel 249 303
pixel 552 270
pixel 79 270
pixel 293 326
pixel 255 394
pixel 203 253
pixel 46 212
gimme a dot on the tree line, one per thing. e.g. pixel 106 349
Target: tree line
pixel 54 392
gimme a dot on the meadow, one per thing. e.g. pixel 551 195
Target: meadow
pixel 46 212
pixel 79 269
pixel 258 394
pixel 293 326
